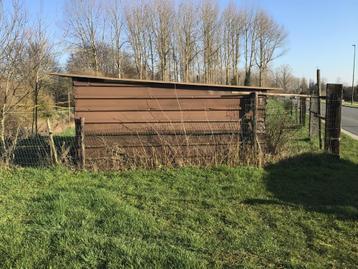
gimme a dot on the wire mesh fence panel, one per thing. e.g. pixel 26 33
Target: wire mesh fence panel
pixel 254 130
pixel 25 146
pixel 277 133
pixel 287 130
pixel 32 150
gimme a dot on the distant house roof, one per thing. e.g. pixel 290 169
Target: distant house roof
pixel 164 84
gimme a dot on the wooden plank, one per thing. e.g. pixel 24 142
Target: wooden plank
pixel 53 151
pixel 318 101
pixel 303 103
pixel 333 118
pixel 285 95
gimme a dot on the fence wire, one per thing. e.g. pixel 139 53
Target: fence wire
pixel 286 122
pixel 25 146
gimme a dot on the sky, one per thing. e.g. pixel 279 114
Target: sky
pixel 320 32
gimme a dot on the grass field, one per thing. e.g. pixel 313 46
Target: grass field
pixel 298 213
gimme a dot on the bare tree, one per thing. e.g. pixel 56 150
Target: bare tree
pixel 284 78
pixel 250 36
pixel 174 42
pixel 232 27
pixel 114 11
pixel 209 29
pixel 304 86
pixel 86 26
pixel 187 37
pixel 162 25
pixel 38 61
pixel 140 37
pixel 12 37
pixel 271 38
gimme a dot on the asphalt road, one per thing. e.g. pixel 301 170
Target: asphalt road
pixel 349 118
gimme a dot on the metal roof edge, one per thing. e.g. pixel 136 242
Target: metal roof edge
pixel 125 80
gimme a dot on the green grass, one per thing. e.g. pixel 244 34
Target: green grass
pixel 349 104
pixel 298 213
pixel 70 131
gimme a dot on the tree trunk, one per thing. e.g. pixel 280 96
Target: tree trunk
pixel 186 72
pixel 260 77
pixel 247 78
pixel 2 135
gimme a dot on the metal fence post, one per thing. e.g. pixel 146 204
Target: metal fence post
pixel 334 94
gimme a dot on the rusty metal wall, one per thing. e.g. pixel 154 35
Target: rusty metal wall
pixel 137 118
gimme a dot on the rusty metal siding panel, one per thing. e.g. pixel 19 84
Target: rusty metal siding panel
pixel 158 116
pixel 174 128
pixel 146 104
pixel 125 91
pixel 135 118
pixel 126 140
pixel 140 106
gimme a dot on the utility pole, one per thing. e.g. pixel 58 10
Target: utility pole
pixel 354 68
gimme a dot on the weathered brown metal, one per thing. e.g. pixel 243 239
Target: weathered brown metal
pixel 106 81
pixel 138 115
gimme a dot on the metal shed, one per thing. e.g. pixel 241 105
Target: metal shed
pixel 138 116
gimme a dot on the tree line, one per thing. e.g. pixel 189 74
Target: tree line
pixel 188 41
pixel 182 40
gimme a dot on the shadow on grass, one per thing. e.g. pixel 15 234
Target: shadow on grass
pixel 317 182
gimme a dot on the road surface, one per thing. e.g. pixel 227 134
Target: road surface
pixel 349 118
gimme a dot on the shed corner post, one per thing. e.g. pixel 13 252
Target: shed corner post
pixel 80 142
